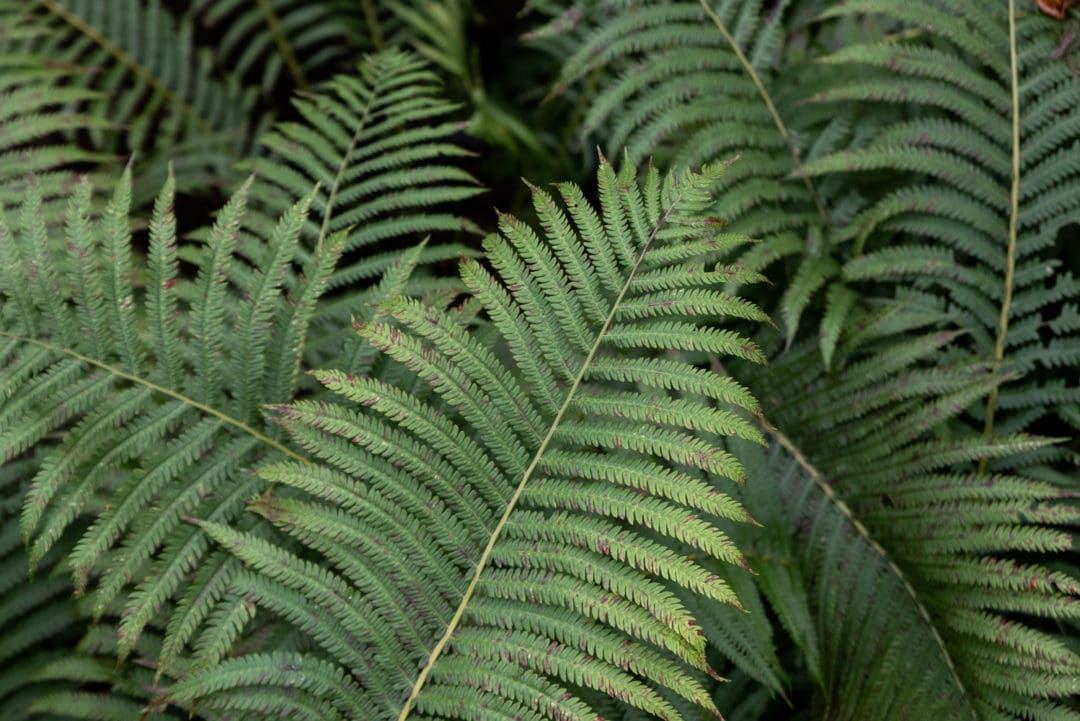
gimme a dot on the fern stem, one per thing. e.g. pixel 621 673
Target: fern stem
pixel 784 132
pixel 202 407
pixel 459 613
pixel 331 197
pixel 789 446
pixel 125 59
pixel 1014 218
pixel 372 20
pixel 274 23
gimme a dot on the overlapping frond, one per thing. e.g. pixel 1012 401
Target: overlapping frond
pixel 902 574
pixel 695 82
pixel 500 536
pixel 144 388
pixel 48 668
pixel 32 612
pixel 302 39
pixel 135 66
pixel 383 146
pixel 997 103
pixel 35 104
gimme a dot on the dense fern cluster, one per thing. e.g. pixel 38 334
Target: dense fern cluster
pixel 773 415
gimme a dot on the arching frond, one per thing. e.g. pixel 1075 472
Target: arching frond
pixel 46 669
pixel 35 106
pixel 997 106
pixel 504 541
pixel 694 82
pixel 902 573
pixel 383 147
pixel 304 40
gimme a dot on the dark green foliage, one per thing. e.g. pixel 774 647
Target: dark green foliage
pixel 35 121
pixel 687 84
pixel 959 229
pixel 295 425
pixel 138 68
pixel 903 560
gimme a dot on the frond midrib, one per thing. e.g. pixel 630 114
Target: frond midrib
pixel 766 97
pixel 459 612
pixel 128 61
pixel 163 390
pixel 830 493
pixel 273 22
pixel 362 125
pixel 1014 218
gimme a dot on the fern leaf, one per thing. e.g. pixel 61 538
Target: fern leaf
pixel 167 96
pixel 272 38
pixel 153 404
pixel 546 516
pixel 379 144
pixel 995 103
pixel 904 555
pixel 36 97
pixel 689 83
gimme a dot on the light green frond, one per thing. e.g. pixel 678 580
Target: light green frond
pixel 379 145
pixel 557 517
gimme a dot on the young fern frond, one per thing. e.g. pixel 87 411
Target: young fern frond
pixel 905 563
pixel 506 541
pixel 959 225
pixel 133 392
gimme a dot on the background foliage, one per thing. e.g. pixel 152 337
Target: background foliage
pixel 296 424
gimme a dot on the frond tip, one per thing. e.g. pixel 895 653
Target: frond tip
pixel 509 538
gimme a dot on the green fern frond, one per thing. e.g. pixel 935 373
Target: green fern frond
pixel 997 106
pixel 909 562
pixel 152 405
pixel 35 98
pixel 505 539
pixel 138 68
pixel 45 670
pixel 33 612
pixel 381 146
pixel 268 38
pixel 695 82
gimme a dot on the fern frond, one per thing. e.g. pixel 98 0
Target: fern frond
pixel 996 108
pixel 695 82
pixel 35 105
pixel 45 670
pixel 505 538
pixel 381 146
pixel 908 560
pixel 152 405
pixel 272 38
pixel 137 67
